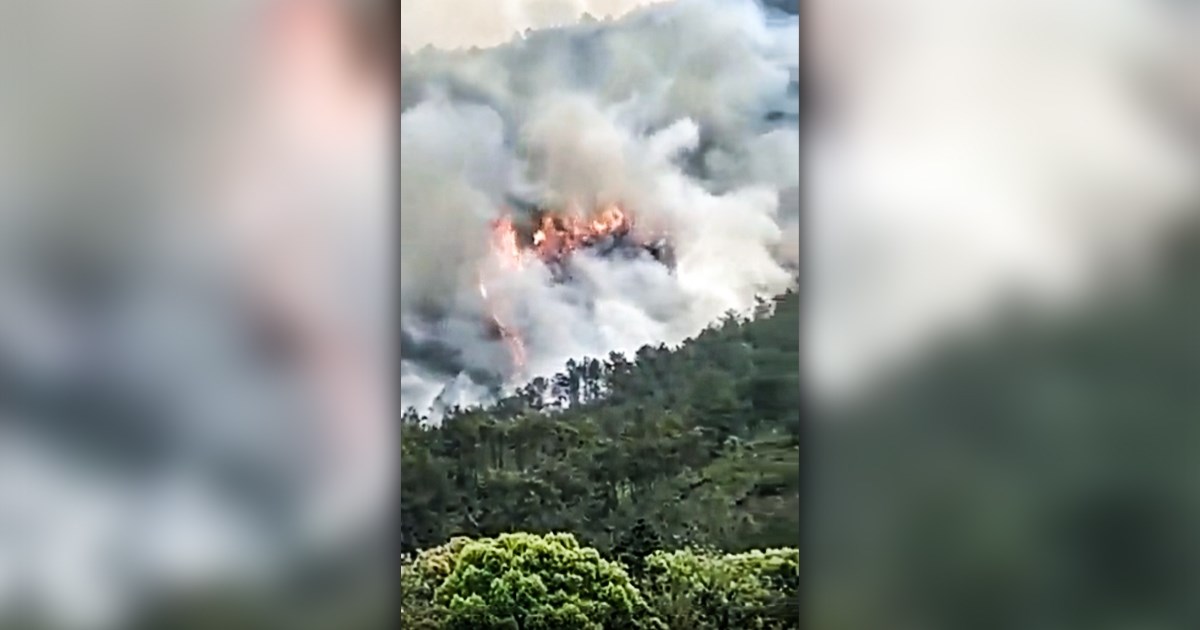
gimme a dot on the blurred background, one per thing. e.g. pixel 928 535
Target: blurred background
pixel 1002 232
pixel 1002 326
pixel 194 283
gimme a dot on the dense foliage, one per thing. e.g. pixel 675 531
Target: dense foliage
pixel 645 460
pixel 752 590
pixel 697 445
pixel 529 581
pixel 551 582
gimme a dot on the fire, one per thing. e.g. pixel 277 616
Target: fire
pixel 610 220
pixel 556 236
pixel 504 244
pixel 516 345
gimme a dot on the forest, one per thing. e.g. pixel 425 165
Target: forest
pixel 674 473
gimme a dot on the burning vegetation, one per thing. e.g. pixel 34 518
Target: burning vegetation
pixel 551 238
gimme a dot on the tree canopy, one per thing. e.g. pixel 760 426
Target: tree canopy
pixel 696 445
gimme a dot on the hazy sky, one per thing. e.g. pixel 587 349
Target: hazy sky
pixel 490 22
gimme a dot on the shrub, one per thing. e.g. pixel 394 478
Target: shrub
pixel 539 582
pixel 420 576
pixel 550 582
pixel 699 590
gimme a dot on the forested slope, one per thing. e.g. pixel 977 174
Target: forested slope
pixel 697 445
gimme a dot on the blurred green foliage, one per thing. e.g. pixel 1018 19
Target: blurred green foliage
pixel 1044 474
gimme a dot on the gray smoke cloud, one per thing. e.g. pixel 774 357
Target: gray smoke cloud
pixel 684 113
pixel 158 430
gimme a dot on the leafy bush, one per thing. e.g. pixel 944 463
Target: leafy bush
pixel 699 590
pixel 520 581
pixel 550 582
pixel 420 576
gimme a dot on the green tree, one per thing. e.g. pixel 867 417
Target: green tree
pixel 636 545
pixel 701 440
pixel 546 582
pixel 698 590
pixel 420 576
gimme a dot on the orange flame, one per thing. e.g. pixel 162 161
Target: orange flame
pixel 556 237
pixel 559 235
pixel 504 244
pixel 516 345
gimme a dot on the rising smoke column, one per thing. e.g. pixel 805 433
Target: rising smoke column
pixel 684 115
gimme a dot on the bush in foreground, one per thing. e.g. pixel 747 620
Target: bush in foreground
pixel 520 581
pixel 530 581
pixel 752 590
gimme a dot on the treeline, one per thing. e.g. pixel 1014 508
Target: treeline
pixel 700 444
pixel 551 582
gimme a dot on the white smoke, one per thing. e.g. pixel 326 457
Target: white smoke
pixel 482 24
pixel 683 113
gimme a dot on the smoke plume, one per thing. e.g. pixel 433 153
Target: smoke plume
pixel 682 115
pixel 485 24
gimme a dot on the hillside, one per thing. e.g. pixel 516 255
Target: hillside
pixel 697 445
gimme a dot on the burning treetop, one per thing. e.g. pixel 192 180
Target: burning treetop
pixel 551 238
